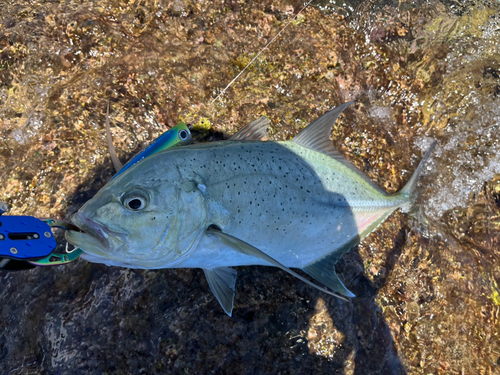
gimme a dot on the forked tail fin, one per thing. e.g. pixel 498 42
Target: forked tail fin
pixel 409 189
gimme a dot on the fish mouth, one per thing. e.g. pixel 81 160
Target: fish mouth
pixel 93 258
pixel 95 238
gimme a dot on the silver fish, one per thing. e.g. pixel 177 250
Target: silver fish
pixel 293 204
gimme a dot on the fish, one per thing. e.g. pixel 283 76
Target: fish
pixel 296 204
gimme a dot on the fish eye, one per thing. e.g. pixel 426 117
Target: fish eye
pixel 135 200
pixel 183 135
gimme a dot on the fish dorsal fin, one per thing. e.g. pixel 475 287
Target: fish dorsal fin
pixel 114 158
pixel 254 131
pixel 323 269
pixel 247 249
pixel 222 283
pixel 316 136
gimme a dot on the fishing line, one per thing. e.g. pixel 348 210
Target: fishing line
pixel 262 50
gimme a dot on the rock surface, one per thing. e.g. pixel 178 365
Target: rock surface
pixel 427 292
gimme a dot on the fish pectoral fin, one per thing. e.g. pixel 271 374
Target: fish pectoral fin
pixel 247 249
pixel 254 131
pixel 222 283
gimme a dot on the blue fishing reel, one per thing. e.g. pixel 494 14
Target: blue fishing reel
pixel 27 242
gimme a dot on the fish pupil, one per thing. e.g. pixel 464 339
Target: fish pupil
pixel 135 204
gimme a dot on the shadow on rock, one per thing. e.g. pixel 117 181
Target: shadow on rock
pixel 86 317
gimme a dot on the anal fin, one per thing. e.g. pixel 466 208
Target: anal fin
pixel 329 277
pixel 222 283
pixel 323 269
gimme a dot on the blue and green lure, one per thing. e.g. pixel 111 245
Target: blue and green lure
pixel 178 135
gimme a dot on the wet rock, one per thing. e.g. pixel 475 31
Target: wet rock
pixel 418 71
